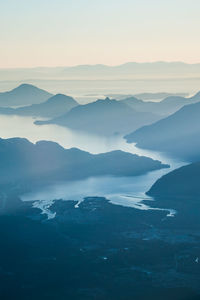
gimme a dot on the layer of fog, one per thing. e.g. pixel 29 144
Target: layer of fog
pixel 89 90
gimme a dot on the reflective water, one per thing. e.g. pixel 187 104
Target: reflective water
pixel 127 191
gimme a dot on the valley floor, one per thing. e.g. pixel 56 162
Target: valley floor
pixel 97 250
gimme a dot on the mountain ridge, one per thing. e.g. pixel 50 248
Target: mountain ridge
pixel 104 117
pixel 177 134
pixel 51 108
pixel 23 94
pixel 129 69
pixel 26 165
pixel 164 107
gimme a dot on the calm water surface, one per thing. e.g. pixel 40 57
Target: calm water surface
pixel 127 191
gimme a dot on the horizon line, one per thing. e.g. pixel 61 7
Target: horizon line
pixel 105 65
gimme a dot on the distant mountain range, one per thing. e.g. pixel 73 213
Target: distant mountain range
pixel 51 108
pixel 25 94
pixel 165 107
pixel 127 70
pixel 145 96
pixel 178 134
pixel 179 184
pixel 23 164
pixel 157 96
pixel 105 117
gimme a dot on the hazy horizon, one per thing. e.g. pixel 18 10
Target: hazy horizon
pixel 100 149
pixel 67 33
pixel 106 65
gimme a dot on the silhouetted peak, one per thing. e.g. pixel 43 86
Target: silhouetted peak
pixel 61 98
pixel 25 86
pixel 105 101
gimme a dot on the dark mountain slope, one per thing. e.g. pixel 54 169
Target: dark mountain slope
pixel 22 162
pixel 178 134
pixel 180 183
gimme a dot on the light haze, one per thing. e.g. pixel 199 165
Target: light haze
pixel 64 33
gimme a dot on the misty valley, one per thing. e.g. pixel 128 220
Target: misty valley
pixel 99 199
pixel 99 150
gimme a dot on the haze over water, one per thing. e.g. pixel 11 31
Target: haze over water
pixel 128 191
pixel 86 91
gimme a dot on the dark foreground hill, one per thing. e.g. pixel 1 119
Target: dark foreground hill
pixel 98 251
pixel 178 184
pixel 51 108
pixel 25 94
pixel 105 117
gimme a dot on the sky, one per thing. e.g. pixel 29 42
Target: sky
pixel 72 32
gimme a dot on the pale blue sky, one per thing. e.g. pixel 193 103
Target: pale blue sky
pixel 71 32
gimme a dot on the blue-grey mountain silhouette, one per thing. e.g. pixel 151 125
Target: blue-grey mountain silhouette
pixel 47 162
pixel 105 117
pixel 165 107
pixel 157 96
pixel 178 134
pixel 127 70
pixel 25 94
pixel 51 108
